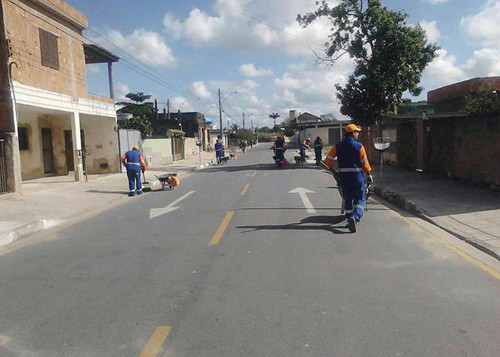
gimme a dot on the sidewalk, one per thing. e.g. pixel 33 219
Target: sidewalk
pixel 470 213
pixel 53 201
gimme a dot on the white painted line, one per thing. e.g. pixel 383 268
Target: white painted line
pixel 305 200
pixel 156 212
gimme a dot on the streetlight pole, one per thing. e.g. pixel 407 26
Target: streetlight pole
pixel 220 118
pixel 220 113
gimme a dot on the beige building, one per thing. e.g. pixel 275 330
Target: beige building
pixel 60 128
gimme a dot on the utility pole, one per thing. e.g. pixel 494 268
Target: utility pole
pixel 220 119
pixel 168 109
pixel 243 115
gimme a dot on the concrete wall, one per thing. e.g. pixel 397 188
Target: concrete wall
pixel 157 151
pixel 313 133
pixel 101 143
pixel 190 148
pixel 22 23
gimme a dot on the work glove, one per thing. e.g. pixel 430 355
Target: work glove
pixel 369 179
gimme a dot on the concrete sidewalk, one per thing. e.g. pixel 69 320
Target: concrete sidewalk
pixel 470 213
pixel 53 201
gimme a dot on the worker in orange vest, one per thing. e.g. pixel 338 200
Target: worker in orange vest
pixel 352 163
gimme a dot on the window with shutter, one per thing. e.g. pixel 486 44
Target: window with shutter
pixel 48 49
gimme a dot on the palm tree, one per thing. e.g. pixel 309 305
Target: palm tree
pixel 274 116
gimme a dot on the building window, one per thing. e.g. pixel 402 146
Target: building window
pixel 48 49
pixel 23 138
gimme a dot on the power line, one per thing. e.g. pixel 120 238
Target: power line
pixel 255 20
pixel 152 54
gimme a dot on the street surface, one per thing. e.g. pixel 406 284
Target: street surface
pixel 231 263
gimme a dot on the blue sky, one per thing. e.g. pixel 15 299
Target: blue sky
pixel 191 48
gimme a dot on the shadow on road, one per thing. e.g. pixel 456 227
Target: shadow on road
pixel 328 223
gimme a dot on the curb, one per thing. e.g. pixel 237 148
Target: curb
pixel 400 201
pixel 200 167
pixel 27 229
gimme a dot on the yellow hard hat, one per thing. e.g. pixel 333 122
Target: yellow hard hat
pixel 352 127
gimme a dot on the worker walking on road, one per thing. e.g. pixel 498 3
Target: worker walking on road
pixel 219 151
pixel 318 148
pixel 134 162
pixel 352 162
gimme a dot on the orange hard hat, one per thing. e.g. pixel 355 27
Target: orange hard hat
pixel 352 127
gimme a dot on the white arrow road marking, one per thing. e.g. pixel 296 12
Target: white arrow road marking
pixel 303 196
pixel 155 212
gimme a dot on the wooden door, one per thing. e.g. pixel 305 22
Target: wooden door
pixel 48 152
pixel 68 148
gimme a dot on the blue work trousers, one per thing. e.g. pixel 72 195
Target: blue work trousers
pixel 134 179
pixel 303 152
pixel 353 191
pixel 317 152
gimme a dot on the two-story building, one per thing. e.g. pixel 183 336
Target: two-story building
pixel 60 128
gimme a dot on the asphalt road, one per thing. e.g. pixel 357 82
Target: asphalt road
pixel 241 268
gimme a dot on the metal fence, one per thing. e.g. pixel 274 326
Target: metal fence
pixel 3 168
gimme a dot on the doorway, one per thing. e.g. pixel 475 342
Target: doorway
pixel 68 149
pixel 48 152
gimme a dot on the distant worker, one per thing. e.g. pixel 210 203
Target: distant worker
pixel 352 162
pixel 279 148
pixel 219 151
pixel 303 147
pixel 318 148
pixel 134 162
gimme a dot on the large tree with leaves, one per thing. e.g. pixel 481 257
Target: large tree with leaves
pixel 389 55
pixel 141 111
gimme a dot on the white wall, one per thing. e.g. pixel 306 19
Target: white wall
pixel 157 151
pixel 190 148
pixel 101 142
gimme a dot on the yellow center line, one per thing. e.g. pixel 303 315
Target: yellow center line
pixel 155 342
pixel 245 189
pixel 459 251
pixel 220 231
pixel 472 260
pixel 254 174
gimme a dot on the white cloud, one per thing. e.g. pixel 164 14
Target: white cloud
pixel 258 24
pixel 180 103
pixel 250 84
pixel 145 46
pixel 122 90
pixel 434 2
pixel 431 30
pixel 200 90
pixel 443 70
pixel 250 70
pixel 484 63
pixel 485 25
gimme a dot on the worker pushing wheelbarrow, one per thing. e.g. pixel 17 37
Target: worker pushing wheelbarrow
pixel 353 164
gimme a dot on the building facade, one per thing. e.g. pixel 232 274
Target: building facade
pixel 59 127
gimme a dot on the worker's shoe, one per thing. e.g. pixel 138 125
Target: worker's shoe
pixel 138 192
pixel 131 194
pixel 351 224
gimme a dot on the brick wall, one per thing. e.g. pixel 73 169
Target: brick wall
pixel 449 98
pixel 22 23
pixel 465 148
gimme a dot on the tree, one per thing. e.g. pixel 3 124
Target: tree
pixel 389 55
pixel 141 112
pixel 274 116
pixel 234 127
pixel 482 103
